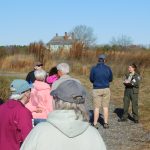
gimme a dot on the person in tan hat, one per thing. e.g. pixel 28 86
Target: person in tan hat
pixel 30 76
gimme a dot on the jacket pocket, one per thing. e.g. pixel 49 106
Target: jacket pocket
pixel 135 90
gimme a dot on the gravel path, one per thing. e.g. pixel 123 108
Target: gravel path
pixel 122 135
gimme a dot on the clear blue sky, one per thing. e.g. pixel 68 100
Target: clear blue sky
pixel 25 21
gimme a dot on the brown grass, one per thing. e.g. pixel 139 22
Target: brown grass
pixel 4 87
pixel 17 62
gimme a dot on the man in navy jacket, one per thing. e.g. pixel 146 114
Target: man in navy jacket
pixel 100 76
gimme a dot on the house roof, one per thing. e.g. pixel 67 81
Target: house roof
pixel 61 40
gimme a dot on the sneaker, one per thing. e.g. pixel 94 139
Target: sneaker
pixel 95 126
pixel 106 126
pixel 122 120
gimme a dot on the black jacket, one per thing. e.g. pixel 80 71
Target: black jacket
pixel 30 77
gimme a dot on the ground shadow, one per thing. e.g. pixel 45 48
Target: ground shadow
pixel 119 112
pixel 130 117
pixel 91 116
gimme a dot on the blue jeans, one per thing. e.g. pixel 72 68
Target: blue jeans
pixel 36 121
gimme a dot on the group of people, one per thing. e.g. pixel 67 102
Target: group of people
pixel 49 112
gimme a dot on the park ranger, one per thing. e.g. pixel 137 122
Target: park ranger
pixel 131 82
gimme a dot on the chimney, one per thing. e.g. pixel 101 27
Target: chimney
pixel 66 36
pixel 73 38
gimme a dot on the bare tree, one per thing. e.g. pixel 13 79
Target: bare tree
pixel 84 34
pixel 122 41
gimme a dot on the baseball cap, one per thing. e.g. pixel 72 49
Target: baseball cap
pixel 102 56
pixel 19 86
pixel 38 64
pixel 70 91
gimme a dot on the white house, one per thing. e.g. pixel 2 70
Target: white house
pixel 61 42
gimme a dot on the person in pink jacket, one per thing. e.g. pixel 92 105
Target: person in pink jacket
pixel 40 103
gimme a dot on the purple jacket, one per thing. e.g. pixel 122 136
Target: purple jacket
pixel 15 124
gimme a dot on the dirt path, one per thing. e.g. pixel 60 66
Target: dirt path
pixel 13 74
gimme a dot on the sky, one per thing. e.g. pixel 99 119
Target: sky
pixel 25 21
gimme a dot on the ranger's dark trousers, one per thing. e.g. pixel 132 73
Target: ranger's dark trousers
pixel 129 95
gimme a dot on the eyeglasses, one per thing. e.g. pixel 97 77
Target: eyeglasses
pixel 39 65
pixel 29 90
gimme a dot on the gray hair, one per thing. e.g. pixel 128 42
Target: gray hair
pixel 16 96
pixel 79 109
pixel 63 67
pixel 40 74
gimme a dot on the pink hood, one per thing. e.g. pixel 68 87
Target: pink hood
pixel 39 86
pixel 40 98
pixel 51 79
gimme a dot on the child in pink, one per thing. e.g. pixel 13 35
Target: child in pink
pixel 51 79
pixel 52 76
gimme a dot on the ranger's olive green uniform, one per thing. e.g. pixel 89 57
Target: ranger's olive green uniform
pixel 131 94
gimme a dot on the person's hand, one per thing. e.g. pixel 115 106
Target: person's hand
pixel 126 81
